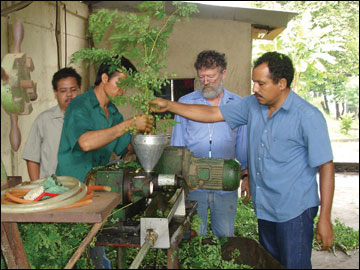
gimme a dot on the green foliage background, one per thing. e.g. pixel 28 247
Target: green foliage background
pixel 51 245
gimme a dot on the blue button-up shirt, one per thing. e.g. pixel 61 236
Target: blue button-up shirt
pixel 284 154
pixel 226 142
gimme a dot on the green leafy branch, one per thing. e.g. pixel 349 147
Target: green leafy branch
pixel 142 38
pixel 346 238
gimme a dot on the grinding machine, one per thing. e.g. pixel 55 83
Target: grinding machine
pixel 155 213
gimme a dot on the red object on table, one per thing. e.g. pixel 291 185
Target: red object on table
pixel 45 194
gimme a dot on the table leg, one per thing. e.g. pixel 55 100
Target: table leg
pixel 173 258
pixel 94 230
pixel 12 247
pixel 121 257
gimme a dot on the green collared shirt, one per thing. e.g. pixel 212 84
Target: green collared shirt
pixel 85 114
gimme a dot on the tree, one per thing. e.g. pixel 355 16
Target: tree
pixel 352 96
pixel 343 16
pixel 323 42
pixel 142 38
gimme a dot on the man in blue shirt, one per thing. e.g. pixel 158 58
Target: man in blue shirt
pixel 288 144
pixel 213 140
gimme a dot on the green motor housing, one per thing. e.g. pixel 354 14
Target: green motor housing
pixel 200 173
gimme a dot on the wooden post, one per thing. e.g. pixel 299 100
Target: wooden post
pixel 121 257
pixel 12 247
pixel 173 258
pixel 84 244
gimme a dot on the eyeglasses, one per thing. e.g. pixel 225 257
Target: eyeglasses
pixel 210 78
pixel 65 90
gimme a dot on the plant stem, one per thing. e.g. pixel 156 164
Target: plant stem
pixel 161 30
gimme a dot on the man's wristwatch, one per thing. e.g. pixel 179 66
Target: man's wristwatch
pixel 244 175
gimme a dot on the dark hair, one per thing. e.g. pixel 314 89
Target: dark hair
pixel 65 73
pixel 210 59
pixel 105 67
pixel 280 66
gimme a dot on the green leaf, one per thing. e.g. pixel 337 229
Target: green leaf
pixel 99 23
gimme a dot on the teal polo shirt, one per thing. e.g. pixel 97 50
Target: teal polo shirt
pixel 85 114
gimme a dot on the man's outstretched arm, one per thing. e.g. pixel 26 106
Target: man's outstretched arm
pixel 200 113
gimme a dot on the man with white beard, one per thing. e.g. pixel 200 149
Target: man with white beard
pixel 213 140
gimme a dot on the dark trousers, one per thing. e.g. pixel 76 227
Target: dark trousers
pixel 290 242
pixel 98 256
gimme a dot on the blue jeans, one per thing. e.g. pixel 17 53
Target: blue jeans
pixel 222 210
pixel 98 257
pixel 290 242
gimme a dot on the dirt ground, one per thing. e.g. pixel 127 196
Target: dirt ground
pixel 346 208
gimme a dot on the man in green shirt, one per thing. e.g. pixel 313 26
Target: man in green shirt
pixel 94 128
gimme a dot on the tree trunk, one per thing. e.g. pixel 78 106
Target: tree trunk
pixel 343 108
pixel 296 81
pixel 337 110
pixel 325 105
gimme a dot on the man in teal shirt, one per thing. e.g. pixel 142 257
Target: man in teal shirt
pixel 94 128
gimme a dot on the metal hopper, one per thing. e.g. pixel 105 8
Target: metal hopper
pixel 148 149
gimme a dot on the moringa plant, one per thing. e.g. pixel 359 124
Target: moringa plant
pixel 142 38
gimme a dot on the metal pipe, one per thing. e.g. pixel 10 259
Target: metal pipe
pixel 140 256
pixel 150 239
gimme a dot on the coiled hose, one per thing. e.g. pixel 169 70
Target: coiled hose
pixel 77 190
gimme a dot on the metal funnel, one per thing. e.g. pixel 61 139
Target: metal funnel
pixel 148 149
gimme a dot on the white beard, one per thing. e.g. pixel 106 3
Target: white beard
pixel 213 93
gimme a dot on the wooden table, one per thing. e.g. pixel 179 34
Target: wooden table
pixel 96 212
